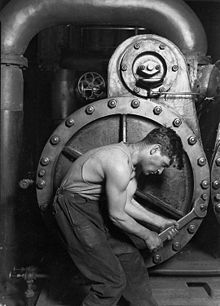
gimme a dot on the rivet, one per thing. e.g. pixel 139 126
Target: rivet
pixel 216 184
pixel 177 122
pixel 162 89
pixel 203 207
pixel 69 122
pixel 44 161
pixel 162 47
pixel 157 67
pixel 112 103
pixel 135 103
pixel 136 45
pixel 217 161
pixel 204 184
pixel 41 184
pixel 217 197
pixel 124 67
pixel 41 172
pixel 201 161
pixel 54 140
pixel 90 109
pixel 157 110
pixel 192 140
pixel 175 68
pixel 217 208
pixel 136 89
pixel 204 196
pixel 157 259
pixel 176 246
pixel 191 228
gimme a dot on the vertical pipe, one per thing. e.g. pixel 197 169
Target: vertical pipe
pixel 10 149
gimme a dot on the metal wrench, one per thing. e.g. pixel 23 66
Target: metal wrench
pixel 199 211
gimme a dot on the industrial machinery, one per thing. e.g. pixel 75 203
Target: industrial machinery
pixel 160 78
pixel 149 85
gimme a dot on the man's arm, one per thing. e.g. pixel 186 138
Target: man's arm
pixel 117 180
pixel 138 212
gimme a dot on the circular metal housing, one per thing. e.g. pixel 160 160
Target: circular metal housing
pixel 171 193
pixel 150 65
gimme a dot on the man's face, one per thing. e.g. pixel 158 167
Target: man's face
pixel 155 162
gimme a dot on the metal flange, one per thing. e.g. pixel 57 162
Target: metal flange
pixel 215 182
pixel 90 115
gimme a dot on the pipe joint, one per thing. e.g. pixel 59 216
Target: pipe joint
pixel 15 60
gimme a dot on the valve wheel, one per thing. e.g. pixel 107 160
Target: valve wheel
pixel 112 120
pixel 91 86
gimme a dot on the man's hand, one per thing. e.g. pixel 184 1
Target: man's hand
pixel 165 223
pixel 153 241
pixel 174 226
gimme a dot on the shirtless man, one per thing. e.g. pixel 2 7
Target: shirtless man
pixel 94 209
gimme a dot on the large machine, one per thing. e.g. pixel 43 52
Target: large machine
pixel 161 78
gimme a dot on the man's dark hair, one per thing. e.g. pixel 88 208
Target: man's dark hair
pixel 171 144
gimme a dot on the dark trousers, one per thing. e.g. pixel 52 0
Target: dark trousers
pixel 106 257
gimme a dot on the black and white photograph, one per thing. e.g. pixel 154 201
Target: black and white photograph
pixel 110 153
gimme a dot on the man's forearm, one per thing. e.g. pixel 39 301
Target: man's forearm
pixel 128 224
pixel 138 212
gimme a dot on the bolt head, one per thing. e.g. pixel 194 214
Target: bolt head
pixel 135 103
pixel 177 122
pixel 112 103
pixel 136 45
pixel 175 68
pixel 41 184
pixel 54 140
pixel 217 161
pixel 44 161
pixel 217 197
pixel 201 161
pixel 124 67
pixel 157 110
pixel 157 259
pixel 176 246
pixel 90 110
pixel 217 208
pixel 162 46
pixel 191 228
pixel 41 172
pixel 136 89
pixel 204 196
pixel 216 184
pixel 192 140
pixel 69 122
pixel 204 184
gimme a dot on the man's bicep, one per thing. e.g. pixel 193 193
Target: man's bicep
pixel 116 190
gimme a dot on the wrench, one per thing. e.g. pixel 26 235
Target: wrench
pixel 199 211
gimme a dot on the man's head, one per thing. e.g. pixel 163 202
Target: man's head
pixel 162 147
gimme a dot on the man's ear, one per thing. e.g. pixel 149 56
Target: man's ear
pixel 155 148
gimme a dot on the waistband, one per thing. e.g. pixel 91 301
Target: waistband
pixel 76 196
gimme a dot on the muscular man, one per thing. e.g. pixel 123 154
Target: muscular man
pixel 95 209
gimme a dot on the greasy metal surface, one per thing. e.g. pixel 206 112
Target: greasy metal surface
pixel 98 124
pixel 140 51
pixel 21 20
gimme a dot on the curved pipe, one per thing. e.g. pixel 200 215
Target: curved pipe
pixel 21 20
